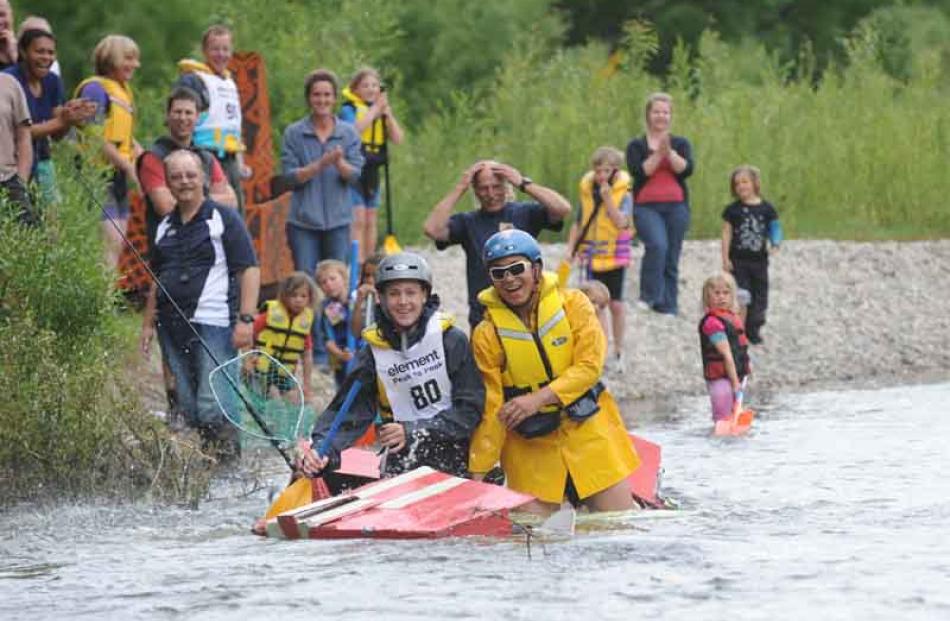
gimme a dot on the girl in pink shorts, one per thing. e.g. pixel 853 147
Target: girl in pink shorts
pixel 723 344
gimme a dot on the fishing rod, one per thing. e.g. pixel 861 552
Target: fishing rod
pixel 181 313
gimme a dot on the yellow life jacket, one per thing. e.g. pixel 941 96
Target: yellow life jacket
pixel 120 118
pixel 219 127
pixel 607 246
pixel 283 338
pixel 533 358
pixel 374 136
pixel 373 338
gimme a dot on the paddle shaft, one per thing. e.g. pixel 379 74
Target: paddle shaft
pixel 338 419
pixel 740 395
pixel 389 204
pixel 354 283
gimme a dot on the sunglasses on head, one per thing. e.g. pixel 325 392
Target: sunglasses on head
pixel 515 269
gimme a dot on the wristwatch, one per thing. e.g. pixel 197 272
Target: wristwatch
pixel 525 182
pixel 246 318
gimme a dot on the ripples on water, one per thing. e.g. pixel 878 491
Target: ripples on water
pixel 836 507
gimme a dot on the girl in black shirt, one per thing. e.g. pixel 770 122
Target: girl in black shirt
pixel 750 226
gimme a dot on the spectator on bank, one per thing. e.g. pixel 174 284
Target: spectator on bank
pixel 219 126
pixel 204 258
pixel 52 116
pixel 492 184
pixel 322 157
pixel 660 163
pixel 8 51
pixel 116 57
pixel 751 230
pixel 16 150
pixel 602 231
pixel 35 22
pixel 366 106
pixel 181 115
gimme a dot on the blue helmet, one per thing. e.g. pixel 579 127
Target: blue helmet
pixel 510 243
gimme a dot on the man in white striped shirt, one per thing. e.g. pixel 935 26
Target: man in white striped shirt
pixel 204 258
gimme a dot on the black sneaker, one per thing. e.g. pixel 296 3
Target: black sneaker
pixel 755 340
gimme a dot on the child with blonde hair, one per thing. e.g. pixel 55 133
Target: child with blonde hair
pixel 750 226
pixel 282 330
pixel 601 234
pixel 366 107
pixel 723 344
pixel 599 296
pixel 332 278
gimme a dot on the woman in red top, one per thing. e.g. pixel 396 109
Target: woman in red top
pixel 660 163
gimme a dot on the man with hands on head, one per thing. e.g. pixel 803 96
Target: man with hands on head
pixel 492 184
pixel 417 373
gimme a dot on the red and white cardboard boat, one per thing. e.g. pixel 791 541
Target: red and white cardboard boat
pixel 425 503
pixel 419 504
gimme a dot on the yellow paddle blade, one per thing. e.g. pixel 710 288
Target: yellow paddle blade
pixel 390 245
pixel 297 494
pixel 563 273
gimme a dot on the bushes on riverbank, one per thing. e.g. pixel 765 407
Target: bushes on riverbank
pixel 857 155
pixel 69 422
pixel 854 150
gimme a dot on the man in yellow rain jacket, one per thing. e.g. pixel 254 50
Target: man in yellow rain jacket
pixel 550 422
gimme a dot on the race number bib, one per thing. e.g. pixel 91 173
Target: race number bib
pixel 417 382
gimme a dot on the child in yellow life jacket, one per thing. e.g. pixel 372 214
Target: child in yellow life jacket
pixel 366 107
pixel 600 236
pixel 282 330
pixel 723 344
pixel 334 319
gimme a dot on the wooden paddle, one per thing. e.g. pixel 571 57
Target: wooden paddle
pixel 301 491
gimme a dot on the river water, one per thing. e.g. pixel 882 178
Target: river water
pixel 835 507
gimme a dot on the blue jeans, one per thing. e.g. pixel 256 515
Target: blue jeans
pixel 308 248
pixel 662 228
pixel 191 366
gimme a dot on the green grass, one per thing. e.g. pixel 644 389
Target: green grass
pixel 858 155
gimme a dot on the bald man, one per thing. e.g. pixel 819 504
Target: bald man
pixel 216 299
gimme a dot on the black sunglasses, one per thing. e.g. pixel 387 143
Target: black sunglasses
pixel 515 269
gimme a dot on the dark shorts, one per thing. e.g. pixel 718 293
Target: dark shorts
pixel 614 282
